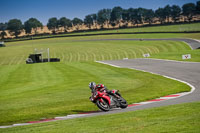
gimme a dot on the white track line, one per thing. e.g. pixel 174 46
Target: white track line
pixel 108 64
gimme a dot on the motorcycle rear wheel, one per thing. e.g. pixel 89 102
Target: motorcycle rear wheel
pixel 104 106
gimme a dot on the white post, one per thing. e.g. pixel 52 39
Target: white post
pixel 35 51
pixel 48 55
pixel 41 52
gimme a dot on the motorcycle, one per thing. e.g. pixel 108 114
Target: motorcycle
pixel 106 102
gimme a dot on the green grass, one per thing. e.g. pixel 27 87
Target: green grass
pixel 31 92
pixel 195 55
pixel 184 118
pixel 48 89
pixel 73 51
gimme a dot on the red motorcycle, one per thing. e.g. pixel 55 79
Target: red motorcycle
pixel 105 102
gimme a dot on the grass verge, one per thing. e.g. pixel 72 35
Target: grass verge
pixel 176 118
pixel 195 55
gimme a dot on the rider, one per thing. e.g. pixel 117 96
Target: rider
pixel 92 86
pixel 101 88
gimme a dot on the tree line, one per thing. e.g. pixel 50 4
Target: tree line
pixel 116 16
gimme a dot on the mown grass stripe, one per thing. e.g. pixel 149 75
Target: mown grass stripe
pixel 108 49
pixel 70 57
pixel 12 61
pixel 22 59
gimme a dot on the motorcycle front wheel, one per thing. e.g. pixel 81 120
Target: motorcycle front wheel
pixel 123 103
pixel 104 106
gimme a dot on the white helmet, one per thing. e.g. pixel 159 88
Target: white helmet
pixel 92 85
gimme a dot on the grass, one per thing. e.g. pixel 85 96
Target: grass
pixel 177 118
pixel 75 51
pixel 195 54
pixel 31 92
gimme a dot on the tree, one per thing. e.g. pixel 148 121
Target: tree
pixel 94 18
pixel 167 12
pixel 198 7
pixel 77 22
pixel 53 24
pixel 65 22
pixel 3 27
pixel 107 13
pixel 88 21
pixel 140 13
pixel 100 18
pixel 159 13
pixel 15 27
pixel 136 15
pixel 32 23
pixel 125 17
pixel 132 14
pixel 103 17
pixel 3 34
pixel 149 15
pixel 116 15
pixel 175 12
pixel 189 10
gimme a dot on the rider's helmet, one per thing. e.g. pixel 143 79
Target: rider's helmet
pixel 100 87
pixel 92 85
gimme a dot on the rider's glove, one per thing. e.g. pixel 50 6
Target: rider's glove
pixel 91 99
